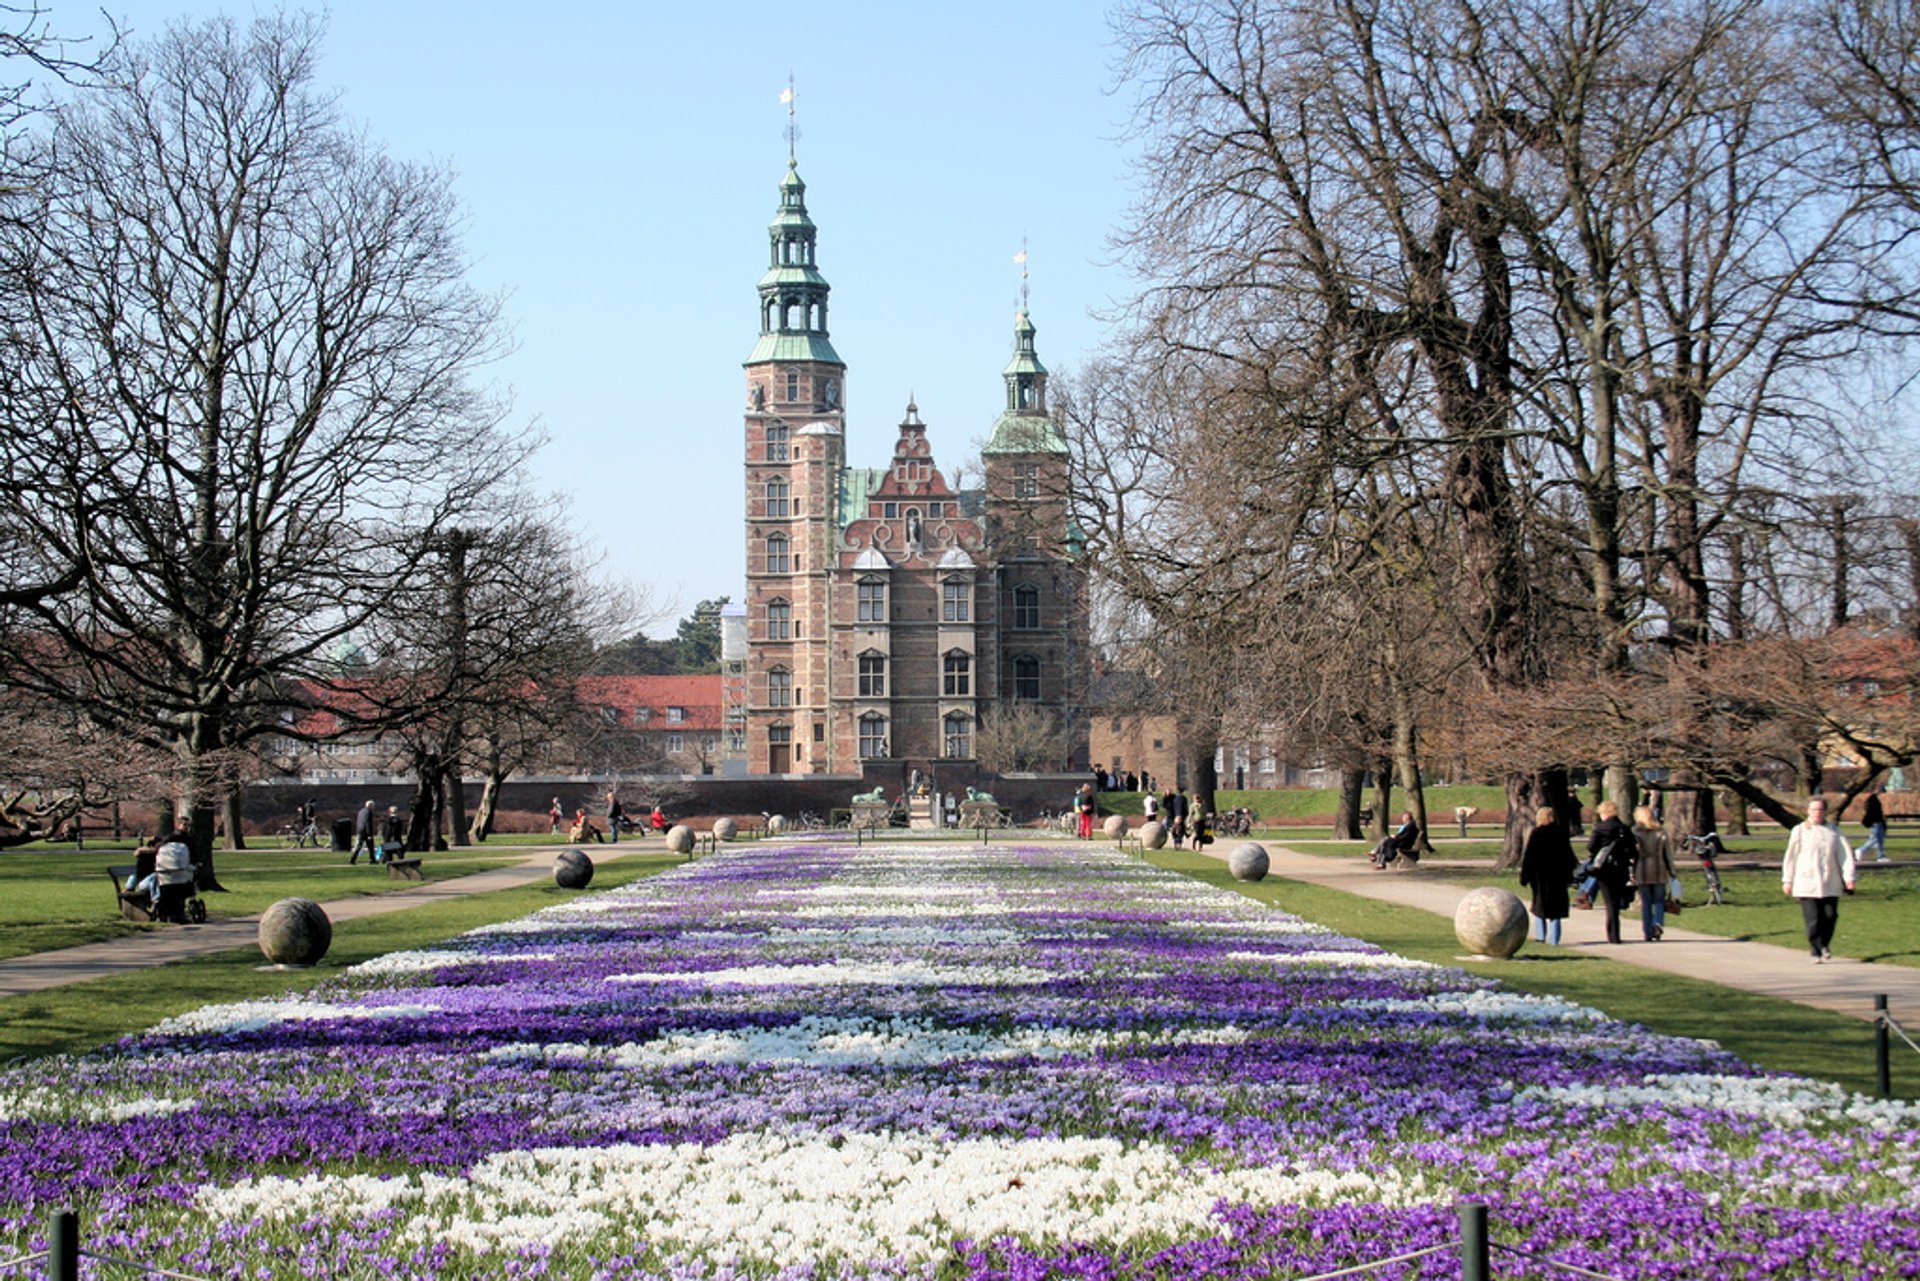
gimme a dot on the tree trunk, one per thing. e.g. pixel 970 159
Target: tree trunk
pixel 1622 787
pixel 1406 757
pixel 1382 798
pixel 1206 780
pixel 489 803
pixel 454 792
pixel 236 833
pixel 423 816
pixel 1526 793
pixel 1689 807
pixel 1346 817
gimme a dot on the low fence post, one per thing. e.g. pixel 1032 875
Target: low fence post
pixel 1473 1242
pixel 1882 1047
pixel 63 1246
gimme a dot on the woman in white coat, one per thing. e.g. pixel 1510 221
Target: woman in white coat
pixel 1818 866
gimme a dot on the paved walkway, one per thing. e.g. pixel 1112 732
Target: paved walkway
pixel 1841 985
pixel 42 970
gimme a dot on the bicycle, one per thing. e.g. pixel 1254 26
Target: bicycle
pixel 300 834
pixel 1707 848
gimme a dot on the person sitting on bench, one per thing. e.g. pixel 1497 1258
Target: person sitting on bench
pixel 173 875
pixel 583 829
pixel 1403 843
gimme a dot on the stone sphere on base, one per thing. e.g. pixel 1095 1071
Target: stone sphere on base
pixel 1153 834
pixel 776 824
pixel 725 829
pixel 573 870
pixel 295 931
pixel 1490 921
pixel 1115 827
pixel 1248 861
pixel 680 839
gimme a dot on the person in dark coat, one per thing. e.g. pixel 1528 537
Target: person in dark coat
pixel 1611 836
pixel 1546 867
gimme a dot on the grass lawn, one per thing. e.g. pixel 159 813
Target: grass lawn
pixel 50 900
pixel 1762 1030
pixel 86 1015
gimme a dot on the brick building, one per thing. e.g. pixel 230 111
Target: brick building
pixel 888 613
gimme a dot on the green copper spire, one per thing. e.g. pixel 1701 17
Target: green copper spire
pixel 1025 427
pixel 793 293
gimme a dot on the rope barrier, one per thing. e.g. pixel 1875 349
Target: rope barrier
pixel 1357 1269
pixel 1556 1264
pixel 9 1264
pixel 142 1268
pixel 1893 1025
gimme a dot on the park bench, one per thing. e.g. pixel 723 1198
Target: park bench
pixel 134 907
pixel 405 869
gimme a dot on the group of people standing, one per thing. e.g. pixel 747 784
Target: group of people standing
pixel 1175 810
pixel 1624 863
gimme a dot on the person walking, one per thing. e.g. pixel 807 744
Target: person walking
pixel 1818 865
pixel 362 833
pixel 1546 867
pixel 1652 873
pixel 614 815
pixel 1875 818
pixel 556 817
pixel 1613 851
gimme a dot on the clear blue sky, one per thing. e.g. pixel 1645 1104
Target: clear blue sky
pixel 619 165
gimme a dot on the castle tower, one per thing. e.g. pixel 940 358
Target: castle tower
pixel 795 452
pixel 1035 550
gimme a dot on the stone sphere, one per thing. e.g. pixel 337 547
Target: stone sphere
pixel 573 870
pixel 1490 921
pixel 1248 861
pixel 1153 834
pixel 776 825
pixel 295 931
pixel 680 839
pixel 725 829
pixel 1115 827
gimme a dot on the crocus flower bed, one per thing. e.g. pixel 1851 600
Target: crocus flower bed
pixel 938 1062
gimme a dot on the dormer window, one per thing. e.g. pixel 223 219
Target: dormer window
pixel 676 715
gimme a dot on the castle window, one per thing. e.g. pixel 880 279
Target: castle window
pixel 779 620
pixel 778 558
pixel 776 442
pixel 1026 480
pixel 889 510
pixel 872 603
pixel 873 737
pixel 873 676
pixel 959 737
pixel 793 384
pixel 958 676
pixel 1026 679
pixel 777 498
pixel 956 598
pixel 780 688
pixel 1026 608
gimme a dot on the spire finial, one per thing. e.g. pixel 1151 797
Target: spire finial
pixel 1021 258
pixel 793 126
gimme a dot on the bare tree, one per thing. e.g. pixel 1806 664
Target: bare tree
pixel 1015 737
pixel 240 368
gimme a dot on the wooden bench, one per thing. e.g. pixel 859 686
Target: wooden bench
pixel 133 907
pixel 405 869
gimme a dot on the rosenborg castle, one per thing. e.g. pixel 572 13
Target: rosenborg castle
pixel 887 614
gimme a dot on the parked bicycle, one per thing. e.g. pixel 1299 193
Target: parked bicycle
pixel 1708 848
pixel 1235 822
pixel 300 834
